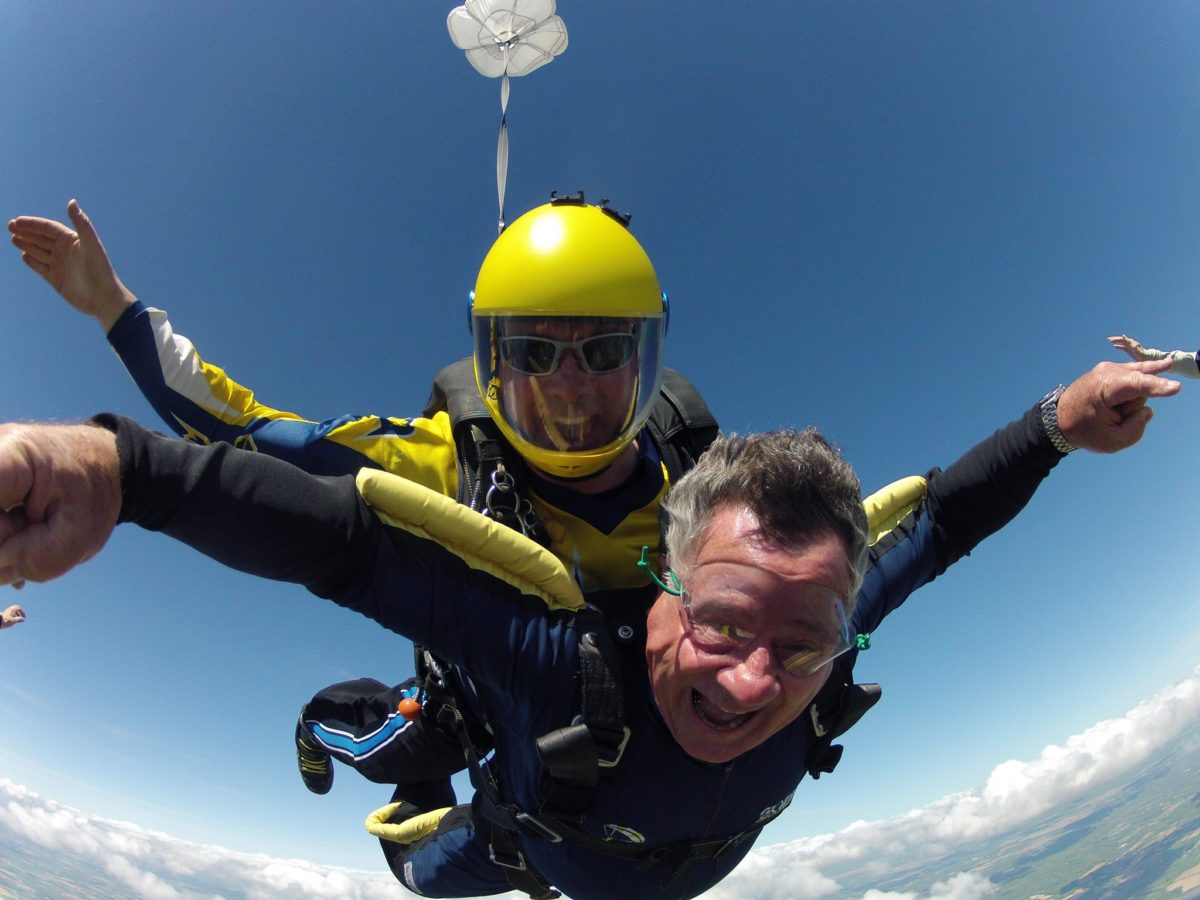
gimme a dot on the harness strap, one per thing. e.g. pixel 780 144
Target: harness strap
pixel 507 824
pixel 681 424
pixel 573 757
pixel 676 856
pixel 504 849
pixel 836 709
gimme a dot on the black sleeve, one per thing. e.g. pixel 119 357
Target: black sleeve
pixel 246 510
pixel 986 488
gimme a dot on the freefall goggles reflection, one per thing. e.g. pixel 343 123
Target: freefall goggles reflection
pixel 597 355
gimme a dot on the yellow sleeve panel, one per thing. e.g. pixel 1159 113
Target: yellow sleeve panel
pixel 235 403
pixel 478 541
pixel 891 503
pixel 425 454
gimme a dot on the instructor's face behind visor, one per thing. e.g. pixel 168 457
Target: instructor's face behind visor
pixel 570 385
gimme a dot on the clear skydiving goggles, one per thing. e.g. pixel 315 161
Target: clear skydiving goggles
pixel 718 627
pixel 714 630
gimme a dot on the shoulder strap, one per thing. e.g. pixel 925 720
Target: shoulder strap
pixel 836 709
pixel 454 391
pixel 841 703
pixel 681 424
pixel 573 757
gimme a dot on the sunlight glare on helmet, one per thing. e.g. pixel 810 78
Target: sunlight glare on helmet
pixel 547 233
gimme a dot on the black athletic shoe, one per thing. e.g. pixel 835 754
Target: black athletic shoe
pixel 316 768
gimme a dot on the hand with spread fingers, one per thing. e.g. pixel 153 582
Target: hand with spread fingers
pixel 73 262
pixel 1183 362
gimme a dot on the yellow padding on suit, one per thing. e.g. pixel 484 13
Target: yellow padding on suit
pixel 405 832
pixel 891 503
pixel 477 540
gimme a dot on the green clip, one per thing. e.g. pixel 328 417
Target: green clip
pixel 862 642
pixel 676 591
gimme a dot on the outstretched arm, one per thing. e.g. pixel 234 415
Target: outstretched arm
pixel 74 263
pixel 1182 362
pixel 64 488
pixel 198 400
pixel 1103 410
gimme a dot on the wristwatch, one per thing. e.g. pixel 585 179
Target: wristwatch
pixel 1048 406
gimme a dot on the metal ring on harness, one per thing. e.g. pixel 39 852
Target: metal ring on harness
pixel 526 516
pixel 502 483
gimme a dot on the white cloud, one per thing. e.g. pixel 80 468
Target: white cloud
pixel 1015 793
pixel 150 864
pixel 963 886
pixel 154 865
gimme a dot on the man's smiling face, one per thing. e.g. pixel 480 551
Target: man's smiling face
pixel 718 705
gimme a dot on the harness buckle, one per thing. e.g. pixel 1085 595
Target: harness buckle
pixel 538 827
pixel 815 715
pixel 620 751
pixel 514 860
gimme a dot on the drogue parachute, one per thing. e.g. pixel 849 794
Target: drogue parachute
pixel 503 39
pixel 507 37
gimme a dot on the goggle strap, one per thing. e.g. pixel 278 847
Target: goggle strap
pixel 644 565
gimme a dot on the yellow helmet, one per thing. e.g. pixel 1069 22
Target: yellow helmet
pixel 568 320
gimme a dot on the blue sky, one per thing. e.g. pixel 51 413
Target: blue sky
pixel 900 222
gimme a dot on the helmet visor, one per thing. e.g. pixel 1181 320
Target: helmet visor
pixel 569 384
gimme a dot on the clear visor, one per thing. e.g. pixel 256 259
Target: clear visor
pixel 569 385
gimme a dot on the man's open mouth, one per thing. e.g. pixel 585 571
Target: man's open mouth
pixel 715 717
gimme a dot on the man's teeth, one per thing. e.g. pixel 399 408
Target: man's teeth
pixel 714 716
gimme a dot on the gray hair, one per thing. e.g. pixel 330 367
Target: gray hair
pixel 794 482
